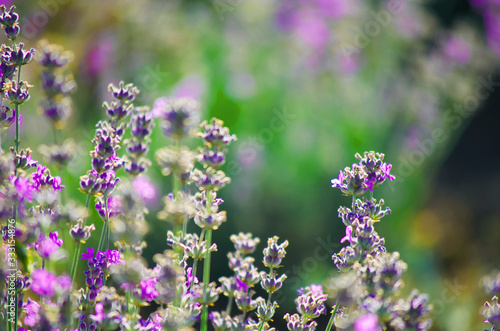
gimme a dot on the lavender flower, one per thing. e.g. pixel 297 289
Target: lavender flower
pixel 17 57
pixel 179 116
pixel 371 278
pixel 80 232
pixel 274 253
pixel 491 312
pixel 141 124
pixel 10 22
pixel 42 179
pixel 60 155
pixel 49 248
pixel 99 268
pixel 101 179
pixel 7 117
pixel 24 160
pixel 16 93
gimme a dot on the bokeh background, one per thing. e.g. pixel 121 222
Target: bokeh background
pixel 305 84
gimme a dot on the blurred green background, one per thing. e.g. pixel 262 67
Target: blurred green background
pixel 305 85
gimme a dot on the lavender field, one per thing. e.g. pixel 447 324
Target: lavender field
pixel 250 165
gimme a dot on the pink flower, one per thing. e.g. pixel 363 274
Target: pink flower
pixel 23 188
pixel 148 289
pixel 46 247
pixel 32 317
pixel 367 322
pixel 312 29
pixel 334 8
pixel 44 282
pixel 146 189
pixel 99 312
pixel 457 49
pixel 317 290
pixel 114 257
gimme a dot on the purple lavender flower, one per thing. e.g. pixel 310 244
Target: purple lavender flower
pixel 99 315
pixel 47 248
pixel 17 94
pixel 179 116
pixel 24 159
pixel 9 20
pixel 53 56
pixel 351 181
pixel 89 255
pixel 7 117
pixel 148 290
pixel 274 253
pixel 214 134
pixel 42 178
pixel 141 127
pixel 114 207
pixel 17 57
pixel 23 187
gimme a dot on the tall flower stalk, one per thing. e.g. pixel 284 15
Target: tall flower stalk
pixel 15 91
pixel 367 291
pixel 210 180
pixel 101 181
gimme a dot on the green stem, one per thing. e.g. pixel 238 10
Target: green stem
pixel 195 267
pixel 271 274
pixel 176 183
pixel 78 245
pixel 101 240
pixel 128 302
pixel 206 280
pixel 108 235
pixel 206 264
pixel 334 312
pixel 17 116
pixel 229 306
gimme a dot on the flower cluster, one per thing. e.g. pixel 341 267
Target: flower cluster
pixel 491 309
pixel 105 161
pixel 370 172
pixel 57 84
pixel 239 288
pixel 310 306
pixel 179 117
pixel 368 289
pixel 141 124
